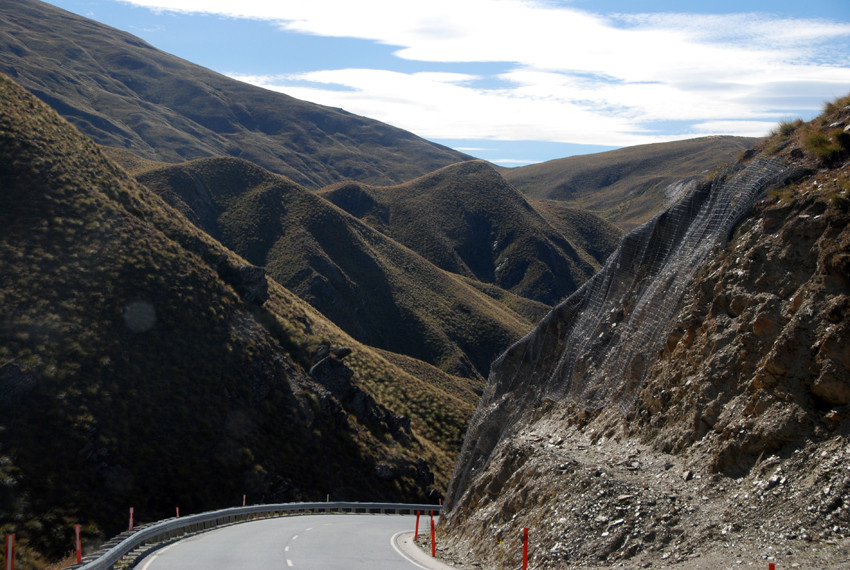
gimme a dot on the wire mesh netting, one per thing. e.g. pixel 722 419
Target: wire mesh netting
pixel 596 347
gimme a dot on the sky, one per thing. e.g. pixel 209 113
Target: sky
pixel 520 81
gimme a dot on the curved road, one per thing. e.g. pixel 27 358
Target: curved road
pixel 350 541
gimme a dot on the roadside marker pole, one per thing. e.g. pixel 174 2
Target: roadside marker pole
pixel 131 519
pixel 525 549
pixel 771 566
pixel 416 534
pixel 178 512
pixel 79 543
pixel 243 500
pixel 10 552
pixel 433 541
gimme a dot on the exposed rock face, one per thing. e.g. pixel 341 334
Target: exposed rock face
pixel 249 281
pixel 331 373
pixel 725 439
pixel 595 348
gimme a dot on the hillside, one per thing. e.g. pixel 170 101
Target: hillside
pixel 124 93
pixel 380 292
pixel 626 186
pixel 143 364
pixel 466 219
pixel 688 407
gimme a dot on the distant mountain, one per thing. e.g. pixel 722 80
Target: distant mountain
pixel 379 291
pixel 625 186
pixel 122 92
pixel 143 364
pixel 465 218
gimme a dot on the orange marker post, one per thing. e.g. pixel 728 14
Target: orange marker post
pixel 79 543
pixel 9 563
pixel 525 549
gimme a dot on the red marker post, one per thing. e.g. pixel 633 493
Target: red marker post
pixel 9 562
pixel 525 549
pixel 416 533
pixel 79 543
pixel 131 519
pixel 433 540
pixel 178 512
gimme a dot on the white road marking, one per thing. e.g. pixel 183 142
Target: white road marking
pixel 402 554
pixel 286 549
pixel 155 554
pixel 289 562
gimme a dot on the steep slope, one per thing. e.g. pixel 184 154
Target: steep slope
pixel 466 219
pixel 594 238
pixel 142 364
pixel 124 93
pixel 380 292
pixel 630 185
pixel 722 436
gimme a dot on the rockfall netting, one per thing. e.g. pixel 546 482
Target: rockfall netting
pixel 596 347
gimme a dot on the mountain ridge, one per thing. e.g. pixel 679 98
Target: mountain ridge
pixel 129 338
pixel 123 92
pixel 626 186
pixel 379 291
pixel 467 220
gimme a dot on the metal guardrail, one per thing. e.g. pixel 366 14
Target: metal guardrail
pixel 172 529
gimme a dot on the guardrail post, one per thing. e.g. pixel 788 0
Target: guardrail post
pixel 78 543
pixel 525 549
pixel 9 562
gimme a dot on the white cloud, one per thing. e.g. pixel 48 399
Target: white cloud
pixel 574 76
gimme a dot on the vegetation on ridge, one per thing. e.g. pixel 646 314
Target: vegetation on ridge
pixel 465 218
pixel 380 292
pixel 124 93
pixel 133 373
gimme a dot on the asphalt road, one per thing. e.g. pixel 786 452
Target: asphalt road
pixel 350 541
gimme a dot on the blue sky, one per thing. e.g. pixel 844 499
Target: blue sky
pixel 520 81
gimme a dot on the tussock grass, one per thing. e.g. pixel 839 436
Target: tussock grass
pixel 133 375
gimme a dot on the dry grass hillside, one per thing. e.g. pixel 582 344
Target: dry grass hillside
pixel 465 218
pixel 627 186
pixel 143 364
pixel 122 92
pixel 379 291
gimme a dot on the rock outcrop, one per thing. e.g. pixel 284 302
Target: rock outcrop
pixel 719 437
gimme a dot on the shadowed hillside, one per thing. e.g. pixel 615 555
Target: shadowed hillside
pixel 122 92
pixel 466 219
pixel 143 364
pixel 626 186
pixel 382 293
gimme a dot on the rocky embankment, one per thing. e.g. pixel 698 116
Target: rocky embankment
pixel 735 451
